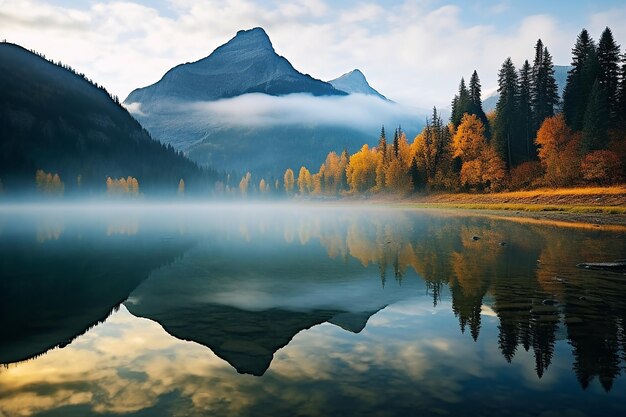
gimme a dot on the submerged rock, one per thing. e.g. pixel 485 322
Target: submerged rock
pixel 615 266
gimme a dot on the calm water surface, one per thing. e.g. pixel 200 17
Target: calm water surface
pixel 302 311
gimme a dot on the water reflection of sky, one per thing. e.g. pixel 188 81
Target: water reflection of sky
pixel 410 356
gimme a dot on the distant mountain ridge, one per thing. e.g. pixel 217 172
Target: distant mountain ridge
pixel 354 82
pixel 247 63
pixel 55 120
pixel 246 108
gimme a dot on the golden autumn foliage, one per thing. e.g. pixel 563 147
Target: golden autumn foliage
pixel 264 187
pixel 181 187
pixel 289 181
pixel 396 178
pixel 123 187
pixel 602 167
pixel 469 140
pixel 361 171
pixel 244 184
pixel 48 183
pixel 332 173
pixel 526 175
pixel 558 151
pixel 305 181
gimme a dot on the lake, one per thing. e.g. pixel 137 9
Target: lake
pixel 286 310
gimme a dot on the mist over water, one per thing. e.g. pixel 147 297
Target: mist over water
pixel 282 309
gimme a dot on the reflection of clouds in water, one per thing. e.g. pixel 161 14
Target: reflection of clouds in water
pixel 127 364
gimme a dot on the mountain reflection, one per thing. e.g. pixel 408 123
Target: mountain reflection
pixel 258 281
pixel 246 282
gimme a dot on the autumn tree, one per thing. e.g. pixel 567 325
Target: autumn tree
pixel 602 167
pixel 558 151
pixel 432 149
pixel 264 187
pixel 244 184
pixel 305 181
pixel 48 183
pixel 469 141
pixel 331 174
pixel 288 180
pixel 128 187
pixel 361 171
pixel 181 187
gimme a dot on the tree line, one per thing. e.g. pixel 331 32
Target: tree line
pixel 533 138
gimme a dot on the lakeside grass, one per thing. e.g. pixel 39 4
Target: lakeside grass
pixel 526 207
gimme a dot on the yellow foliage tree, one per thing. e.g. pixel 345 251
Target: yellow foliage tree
pixel 123 187
pixel 305 181
pixel 469 140
pixel 244 184
pixel 181 187
pixel 361 171
pixel 397 179
pixel 263 186
pixel 48 183
pixel 289 181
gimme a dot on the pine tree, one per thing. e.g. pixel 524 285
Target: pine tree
pixel 544 90
pixel 506 111
pixel 609 72
pixel 476 104
pixel 579 81
pixel 417 179
pixel 622 96
pixel 396 143
pixel 525 110
pixel 382 143
pixel 595 135
pixel 551 88
pixel 463 104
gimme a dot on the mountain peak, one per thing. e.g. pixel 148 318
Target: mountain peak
pixel 354 82
pixel 245 64
pixel 255 38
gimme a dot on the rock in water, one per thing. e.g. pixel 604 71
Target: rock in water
pixel 618 266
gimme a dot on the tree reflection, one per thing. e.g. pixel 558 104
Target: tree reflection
pixel 526 274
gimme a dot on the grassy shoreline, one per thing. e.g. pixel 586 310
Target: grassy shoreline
pixel 596 207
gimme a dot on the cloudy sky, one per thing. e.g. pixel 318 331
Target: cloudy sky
pixel 413 51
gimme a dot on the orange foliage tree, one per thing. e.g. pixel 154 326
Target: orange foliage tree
pixel 558 151
pixel 602 167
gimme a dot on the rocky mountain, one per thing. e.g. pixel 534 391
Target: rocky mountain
pixel 248 63
pixel 245 108
pixel 354 82
pixel 54 119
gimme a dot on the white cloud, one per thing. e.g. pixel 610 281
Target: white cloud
pixel 362 112
pixel 414 52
